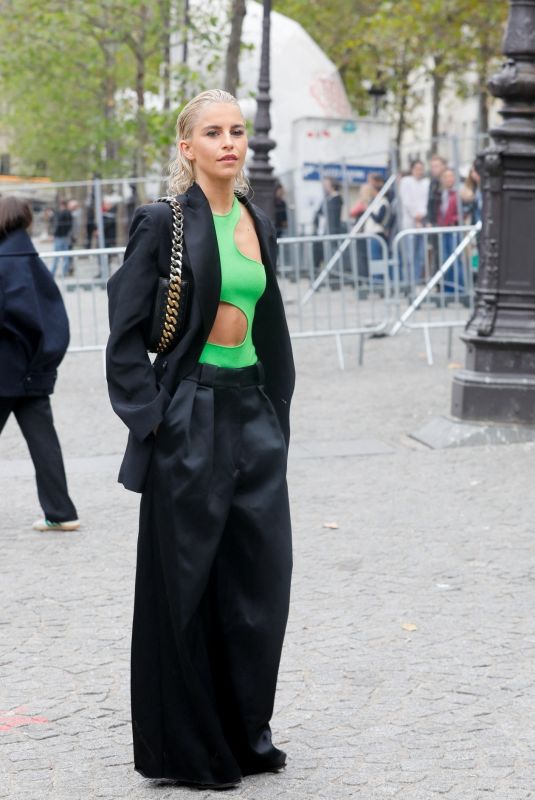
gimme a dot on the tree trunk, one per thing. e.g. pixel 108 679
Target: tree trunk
pixel 109 89
pixel 483 62
pixel 232 74
pixel 141 121
pixel 483 111
pixel 165 21
pixel 142 133
pixel 438 86
pixel 401 119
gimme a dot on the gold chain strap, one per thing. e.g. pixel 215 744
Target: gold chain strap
pixel 175 276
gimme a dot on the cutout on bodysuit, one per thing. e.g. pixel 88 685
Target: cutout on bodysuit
pixel 242 237
pixel 221 325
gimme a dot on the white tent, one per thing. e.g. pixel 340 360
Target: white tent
pixel 304 82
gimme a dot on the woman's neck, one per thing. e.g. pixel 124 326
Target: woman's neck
pixel 220 196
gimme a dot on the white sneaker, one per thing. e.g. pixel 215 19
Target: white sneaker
pixel 47 525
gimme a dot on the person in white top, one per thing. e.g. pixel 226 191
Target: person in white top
pixel 413 195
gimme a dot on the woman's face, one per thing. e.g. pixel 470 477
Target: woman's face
pixel 218 145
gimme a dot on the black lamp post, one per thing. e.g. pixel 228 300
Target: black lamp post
pixel 498 383
pixel 260 170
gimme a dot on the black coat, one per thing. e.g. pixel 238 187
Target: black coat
pixel 34 329
pixel 140 392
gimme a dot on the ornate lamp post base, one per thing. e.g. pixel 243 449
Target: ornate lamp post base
pixel 498 383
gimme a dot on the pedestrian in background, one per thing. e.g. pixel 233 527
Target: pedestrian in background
pixel 34 335
pixel 90 224
pixel 281 212
pixel 472 197
pixel 379 220
pixel 62 236
pixel 209 432
pixel 76 213
pixel 109 222
pixel 437 165
pixel 448 216
pixel 413 194
pixel 328 217
pixel 328 221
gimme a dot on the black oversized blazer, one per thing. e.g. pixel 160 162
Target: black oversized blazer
pixel 140 391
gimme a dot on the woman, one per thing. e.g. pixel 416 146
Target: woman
pixel 448 217
pixel 34 335
pixel 209 431
pixel 379 220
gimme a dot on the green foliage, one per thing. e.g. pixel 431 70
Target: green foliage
pixel 83 82
pixel 80 82
pixel 390 43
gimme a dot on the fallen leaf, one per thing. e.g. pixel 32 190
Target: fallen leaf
pixel 332 525
pixel 454 365
pixel 409 626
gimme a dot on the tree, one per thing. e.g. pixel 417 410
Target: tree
pixel 232 74
pixel 90 85
pixel 483 27
pixel 394 43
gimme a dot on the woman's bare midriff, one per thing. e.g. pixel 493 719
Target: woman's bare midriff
pixel 230 326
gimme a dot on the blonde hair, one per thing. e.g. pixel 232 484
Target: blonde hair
pixel 181 170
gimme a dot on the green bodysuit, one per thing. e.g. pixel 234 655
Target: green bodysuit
pixel 243 281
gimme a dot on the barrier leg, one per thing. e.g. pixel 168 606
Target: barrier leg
pixel 361 349
pixel 450 342
pixel 340 351
pixel 428 348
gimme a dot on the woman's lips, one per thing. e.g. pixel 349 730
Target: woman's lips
pixel 228 158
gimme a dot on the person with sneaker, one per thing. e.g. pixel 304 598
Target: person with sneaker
pixel 209 432
pixel 34 335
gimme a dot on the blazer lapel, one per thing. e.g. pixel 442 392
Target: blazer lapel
pixel 203 254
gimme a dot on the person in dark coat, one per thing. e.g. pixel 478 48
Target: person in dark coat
pixel 328 221
pixel 34 335
pixel 62 236
pixel 209 432
pixel 281 212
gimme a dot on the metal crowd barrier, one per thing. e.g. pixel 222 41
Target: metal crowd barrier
pixel 84 294
pixel 432 269
pixel 335 286
pixel 353 300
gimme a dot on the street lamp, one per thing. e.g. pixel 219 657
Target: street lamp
pixel 260 170
pixel 498 383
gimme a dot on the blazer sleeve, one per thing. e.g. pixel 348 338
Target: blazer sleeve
pixel 134 392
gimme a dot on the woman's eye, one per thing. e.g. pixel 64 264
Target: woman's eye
pixel 239 132
pixel 212 133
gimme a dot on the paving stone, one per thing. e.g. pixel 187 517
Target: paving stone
pixel 365 709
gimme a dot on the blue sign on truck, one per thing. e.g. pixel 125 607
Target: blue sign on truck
pixel 353 174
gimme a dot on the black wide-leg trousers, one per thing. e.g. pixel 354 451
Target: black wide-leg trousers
pixel 34 417
pixel 212 582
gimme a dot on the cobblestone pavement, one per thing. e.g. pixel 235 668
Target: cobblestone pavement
pixel 408 666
